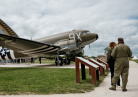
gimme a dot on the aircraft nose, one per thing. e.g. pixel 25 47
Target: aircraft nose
pixel 96 36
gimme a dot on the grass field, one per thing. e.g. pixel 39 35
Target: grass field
pixel 136 61
pixel 42 81
pixel 45 61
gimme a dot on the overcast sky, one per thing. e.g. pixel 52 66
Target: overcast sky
pixel 110 19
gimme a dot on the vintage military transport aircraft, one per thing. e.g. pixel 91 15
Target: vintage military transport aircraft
pixel 12 46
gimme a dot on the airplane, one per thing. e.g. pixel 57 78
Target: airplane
pixel 13 46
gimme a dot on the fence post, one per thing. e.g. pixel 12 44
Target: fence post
pixel 77 71
pixel 93 76
pixel 83 73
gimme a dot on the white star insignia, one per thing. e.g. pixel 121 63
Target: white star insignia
pixel 3 52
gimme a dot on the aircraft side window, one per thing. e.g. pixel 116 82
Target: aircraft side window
pixel 84 32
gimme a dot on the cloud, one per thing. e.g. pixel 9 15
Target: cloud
pixel 110 19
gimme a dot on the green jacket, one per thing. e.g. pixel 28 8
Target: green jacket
pixel 121 51
pixel 108 55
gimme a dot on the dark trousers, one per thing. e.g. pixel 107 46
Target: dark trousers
pixel 111 65
pixel 112 75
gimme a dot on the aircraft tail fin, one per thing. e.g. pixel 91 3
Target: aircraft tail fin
pixel 5 29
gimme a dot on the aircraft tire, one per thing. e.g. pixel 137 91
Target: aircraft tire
pixel 67 61
pixel 60 62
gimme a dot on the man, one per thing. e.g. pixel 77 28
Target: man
pixel 40 60
pixel 121 53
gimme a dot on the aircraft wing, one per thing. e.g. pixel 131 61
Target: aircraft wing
pixel 28 47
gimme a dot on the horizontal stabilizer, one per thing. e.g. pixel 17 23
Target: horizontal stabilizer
pixel 5 29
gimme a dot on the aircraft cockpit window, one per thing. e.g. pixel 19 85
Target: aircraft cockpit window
pixel 85 32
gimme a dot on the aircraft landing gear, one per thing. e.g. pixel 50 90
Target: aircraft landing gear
pixel 66 61
pixel 59 61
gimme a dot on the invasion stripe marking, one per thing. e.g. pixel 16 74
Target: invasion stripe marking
pixel 34 49
pixel 12 54
pixel 52 50
pixel 38 50
pixel 3 57
pixel 44 50
pixel 8 55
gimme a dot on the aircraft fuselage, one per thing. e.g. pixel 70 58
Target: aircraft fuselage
pixel 71 40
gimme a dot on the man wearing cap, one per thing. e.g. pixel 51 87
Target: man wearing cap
pixel 121 53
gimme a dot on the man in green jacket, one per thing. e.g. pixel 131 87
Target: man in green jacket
pixel 121 53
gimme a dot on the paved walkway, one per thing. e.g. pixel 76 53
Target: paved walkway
pixel 47 65
pixel 103 89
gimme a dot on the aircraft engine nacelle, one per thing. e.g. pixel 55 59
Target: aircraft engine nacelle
pixel 67 45
pixel 6 54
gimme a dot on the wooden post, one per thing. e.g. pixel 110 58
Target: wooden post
pixel 77 71
pixel 90 71
pixel 101 71
pixel 107 67
pixel 97 74
pixel 83 71
pixel 93 76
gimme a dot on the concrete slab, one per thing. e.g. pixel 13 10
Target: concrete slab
pixel 103 89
